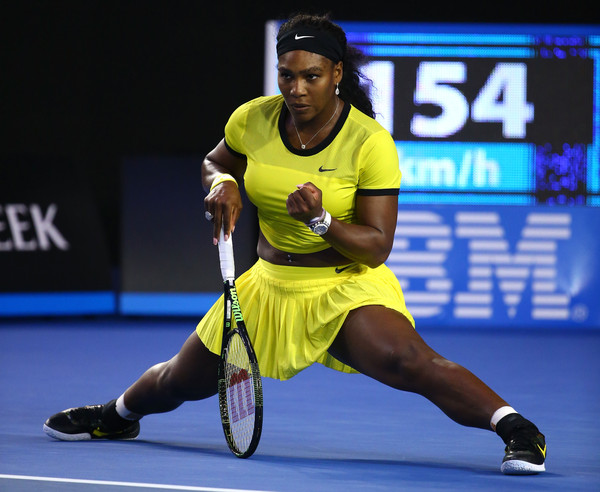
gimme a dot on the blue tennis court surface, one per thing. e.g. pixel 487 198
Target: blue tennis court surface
pixel 323 430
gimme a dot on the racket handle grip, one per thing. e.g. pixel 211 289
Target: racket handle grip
pixel 226 256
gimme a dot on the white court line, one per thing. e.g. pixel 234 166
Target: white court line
pixel 125 484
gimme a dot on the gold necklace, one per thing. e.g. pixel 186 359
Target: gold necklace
pixel 303 145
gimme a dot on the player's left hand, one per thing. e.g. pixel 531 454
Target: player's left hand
pixel 305 203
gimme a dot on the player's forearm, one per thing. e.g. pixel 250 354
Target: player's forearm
pixel 221 161
pixel 363 244
pixel 211 170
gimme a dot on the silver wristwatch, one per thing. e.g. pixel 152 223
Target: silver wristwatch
pixel 321 226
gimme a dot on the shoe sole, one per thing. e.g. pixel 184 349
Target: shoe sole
pixel 519 467
pixel 84 436
pixel 61 436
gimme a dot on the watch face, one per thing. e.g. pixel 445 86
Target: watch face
pixel 320 229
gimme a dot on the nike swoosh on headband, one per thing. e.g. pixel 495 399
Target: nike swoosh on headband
pixel 296 37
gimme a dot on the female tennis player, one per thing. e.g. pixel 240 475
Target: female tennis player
pixel 324 177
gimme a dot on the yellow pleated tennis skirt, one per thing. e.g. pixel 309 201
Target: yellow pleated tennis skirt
pixel 293 314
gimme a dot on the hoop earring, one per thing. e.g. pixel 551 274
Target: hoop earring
pixel 337 89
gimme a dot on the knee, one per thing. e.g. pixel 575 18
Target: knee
pixel 410 364
pixel 182 385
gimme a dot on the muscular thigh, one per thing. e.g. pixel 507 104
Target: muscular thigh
pixel 194 369
pixel 382 344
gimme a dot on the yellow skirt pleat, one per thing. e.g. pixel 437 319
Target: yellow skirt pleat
pixel 293 314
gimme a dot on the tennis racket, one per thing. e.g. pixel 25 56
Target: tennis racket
pixel 240 384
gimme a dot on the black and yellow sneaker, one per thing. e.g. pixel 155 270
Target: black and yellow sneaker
pixel 85 423
pixel 525 451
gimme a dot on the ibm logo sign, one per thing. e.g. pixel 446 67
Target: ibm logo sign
pixel 487 264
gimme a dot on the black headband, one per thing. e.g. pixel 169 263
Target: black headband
pixel 313 40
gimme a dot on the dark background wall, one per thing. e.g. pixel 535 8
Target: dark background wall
pixel 97 81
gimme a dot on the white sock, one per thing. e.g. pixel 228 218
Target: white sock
pixel 499 415
pixel 124 412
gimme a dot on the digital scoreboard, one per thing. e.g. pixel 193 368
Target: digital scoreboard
pixel 497 129
pixel 494 114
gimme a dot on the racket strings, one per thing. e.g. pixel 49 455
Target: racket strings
pixel 241 403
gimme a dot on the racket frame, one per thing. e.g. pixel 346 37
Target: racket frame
pixel 232 311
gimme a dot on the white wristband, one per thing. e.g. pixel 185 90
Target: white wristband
pixel 222 178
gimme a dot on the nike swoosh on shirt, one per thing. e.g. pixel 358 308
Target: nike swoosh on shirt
pixel 340 270
pixel 296 37
pixel 323 170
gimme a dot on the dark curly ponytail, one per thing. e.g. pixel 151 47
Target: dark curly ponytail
pixel 350 88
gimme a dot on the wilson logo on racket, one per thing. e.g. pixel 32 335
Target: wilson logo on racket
pixel 240 395
pixel 235 307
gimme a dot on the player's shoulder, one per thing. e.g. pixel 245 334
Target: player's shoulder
pixel 366 129
pixel 257 110
pixel 359 119
pixel 263 103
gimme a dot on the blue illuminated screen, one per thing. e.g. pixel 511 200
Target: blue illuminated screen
pixel 489 114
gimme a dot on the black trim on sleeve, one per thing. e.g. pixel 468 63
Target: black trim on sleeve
pixel 378 192
pixel 234 152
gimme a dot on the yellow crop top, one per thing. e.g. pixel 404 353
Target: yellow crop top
pixel 358 157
